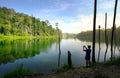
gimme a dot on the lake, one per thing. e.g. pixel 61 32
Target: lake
pixel 42 56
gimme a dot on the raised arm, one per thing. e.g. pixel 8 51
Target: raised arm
pixel 84 48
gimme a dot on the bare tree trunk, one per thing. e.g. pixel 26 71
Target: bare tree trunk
pixel 69 59
pixel 59 57
pixel 99 45
pixel 94 28
pixel 115 40
pixel 113 28
pixel 58 32
pixel 106 37
pixel 59 49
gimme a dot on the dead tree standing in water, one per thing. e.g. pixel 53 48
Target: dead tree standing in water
pixel 106 37
pixel 99 45
pixel 115 40
pixel 113 28
pixel 58 35
pixel 94 28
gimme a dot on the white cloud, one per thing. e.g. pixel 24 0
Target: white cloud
pixel 80 22
pixel 84 23
pixel 61 5
pixel 101 20
pixel 106 5
pixel 51 12
pixel 71 27
pixel 56 7
pixel 87 21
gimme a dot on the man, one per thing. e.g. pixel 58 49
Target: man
pixel 87 56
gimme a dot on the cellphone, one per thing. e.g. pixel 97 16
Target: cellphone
pixel 84 47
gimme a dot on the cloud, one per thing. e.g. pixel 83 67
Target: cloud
pixel 75 26
pixel 101 20
pixel 105 5
pixel 84 23
pixel 81 22
pixel 52 12
pixel 57 6
pixel 61 5
pixel 71 27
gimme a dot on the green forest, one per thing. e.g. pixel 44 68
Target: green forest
pixel 87 35
pixel 20 24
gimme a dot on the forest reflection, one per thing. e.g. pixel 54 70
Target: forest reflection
pixel 15 49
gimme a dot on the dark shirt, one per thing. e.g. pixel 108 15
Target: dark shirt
pixel 88 52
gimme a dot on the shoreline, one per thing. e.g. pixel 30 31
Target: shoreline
pixel 98 71
pixel 14 37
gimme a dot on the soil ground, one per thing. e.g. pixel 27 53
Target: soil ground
pixel 112 71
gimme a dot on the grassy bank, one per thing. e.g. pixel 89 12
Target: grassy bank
pixel 14 37
pixel 108 69
pixel 115 61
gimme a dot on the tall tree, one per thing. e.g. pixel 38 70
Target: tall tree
pixel 115 9
pixel 106 37
pixel 115 43
pixel 58 35
pixel 94 33
pixel 99 44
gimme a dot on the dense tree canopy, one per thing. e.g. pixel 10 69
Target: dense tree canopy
pixel 13 23
pixel 88 35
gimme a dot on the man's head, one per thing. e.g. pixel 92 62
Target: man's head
pixel 89 46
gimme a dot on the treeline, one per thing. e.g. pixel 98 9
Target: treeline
pixel 69 35
pixel 20 24
pixel 88 35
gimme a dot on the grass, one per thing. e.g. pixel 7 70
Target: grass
pixel 64 68
pixel 115 61
pixel 14 37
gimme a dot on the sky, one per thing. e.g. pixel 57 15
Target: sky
pixel 73 16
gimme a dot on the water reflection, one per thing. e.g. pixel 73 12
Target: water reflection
pixel 13 50
pixel 43 55
pixel 59 43
pixel 59 59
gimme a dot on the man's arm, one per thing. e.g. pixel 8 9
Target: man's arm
pixel 84 48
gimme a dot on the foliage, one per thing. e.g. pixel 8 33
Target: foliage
pixel 85 35
pixel 20 24
pixel 19 71
pixel 69 35
pixel 88 35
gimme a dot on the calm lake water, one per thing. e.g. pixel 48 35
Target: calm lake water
pixel 42 56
